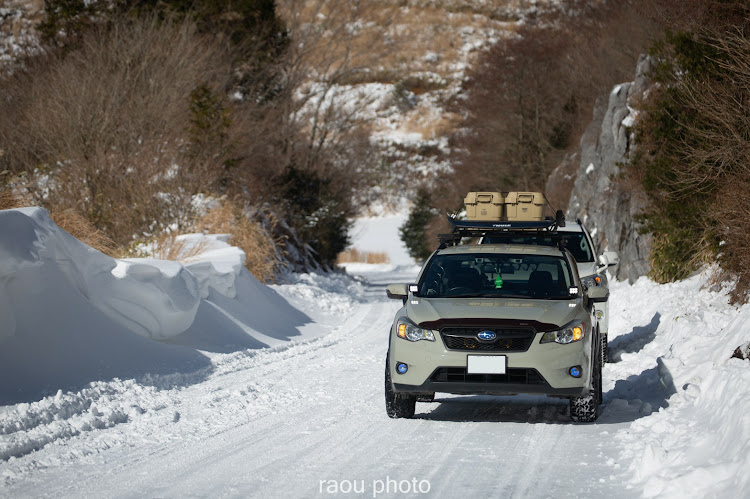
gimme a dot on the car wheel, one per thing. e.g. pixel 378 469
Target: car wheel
pixel 586 409
pixel 397 405
pixel 605 349
pixel 426 397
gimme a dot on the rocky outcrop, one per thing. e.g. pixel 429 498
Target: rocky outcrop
pixel 607 204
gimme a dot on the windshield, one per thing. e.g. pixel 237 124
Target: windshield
pixel 575 242
pixel 497 276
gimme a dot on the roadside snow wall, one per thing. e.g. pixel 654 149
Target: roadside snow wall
pixel 70 314
pixel 678 362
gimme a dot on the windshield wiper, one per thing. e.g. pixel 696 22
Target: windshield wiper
pixel 558 297
pixel 484 295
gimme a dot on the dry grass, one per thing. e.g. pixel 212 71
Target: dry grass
pixel 169 247
pixel 8 200
pixel 406 38
pixel 11 191
pixel 79 227
pixel 70 221
pixel 356 256
pixel 261 251
pixel 430 122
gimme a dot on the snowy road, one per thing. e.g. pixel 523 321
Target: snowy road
pixel 308 420
pixel 258 391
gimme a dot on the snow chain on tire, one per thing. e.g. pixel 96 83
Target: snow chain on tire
pixel 605 350
pixel 586 409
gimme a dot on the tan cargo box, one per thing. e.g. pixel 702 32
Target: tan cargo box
pixel 484 205
pixel 526 206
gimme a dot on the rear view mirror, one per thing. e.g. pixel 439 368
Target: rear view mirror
pixel 598 294
pixel 397 291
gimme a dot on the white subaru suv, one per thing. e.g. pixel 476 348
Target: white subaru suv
pixel 497 318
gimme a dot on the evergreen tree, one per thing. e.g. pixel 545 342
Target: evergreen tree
pixel 413 231
pixel 316 211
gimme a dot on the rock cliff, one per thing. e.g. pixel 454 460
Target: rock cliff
pixel 607 204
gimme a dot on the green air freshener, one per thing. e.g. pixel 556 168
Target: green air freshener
pixel 498 281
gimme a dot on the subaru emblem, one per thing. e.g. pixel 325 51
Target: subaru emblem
pixel 487 336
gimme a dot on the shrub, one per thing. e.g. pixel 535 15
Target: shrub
pixel 262 251
pixel 694 151
pixel 102 130
pixel 529 97
pixel 413 232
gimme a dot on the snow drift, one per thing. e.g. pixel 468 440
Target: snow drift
pixel 672 353
pixel 70 314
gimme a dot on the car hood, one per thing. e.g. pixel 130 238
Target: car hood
pixel 543 315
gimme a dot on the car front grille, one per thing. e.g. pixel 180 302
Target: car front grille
pixel 515 376
pixel 508 340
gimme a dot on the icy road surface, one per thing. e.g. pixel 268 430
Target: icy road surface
pixel 307 418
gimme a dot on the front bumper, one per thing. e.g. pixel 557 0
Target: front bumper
pixel 542 369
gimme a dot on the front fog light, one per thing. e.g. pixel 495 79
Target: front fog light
pixel 570 333
pixel 401 368
pixel 575 371
pixel 409 331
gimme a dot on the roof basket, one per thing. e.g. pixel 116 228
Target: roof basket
pixel 465 228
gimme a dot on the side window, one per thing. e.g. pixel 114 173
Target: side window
pixel 578 245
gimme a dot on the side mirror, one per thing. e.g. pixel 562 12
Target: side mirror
pixel 609 258
pixel 560 218
pixel 397 291
pixel 598 294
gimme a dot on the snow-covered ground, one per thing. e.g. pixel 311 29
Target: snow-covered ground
pixel 149 378
pixel 380 234
pixel 673 364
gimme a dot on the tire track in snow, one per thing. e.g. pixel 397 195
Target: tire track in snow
pixel 275 422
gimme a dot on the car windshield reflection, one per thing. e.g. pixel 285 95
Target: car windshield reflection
pixel 497 276
pixel 575 242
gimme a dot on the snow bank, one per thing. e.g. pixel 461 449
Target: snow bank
pixel 672 346
pixel 70 315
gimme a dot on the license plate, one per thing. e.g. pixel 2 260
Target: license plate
pixel 486 364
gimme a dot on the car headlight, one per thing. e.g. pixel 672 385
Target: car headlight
pixel 574 331
pixel 593 280
pixel 407 330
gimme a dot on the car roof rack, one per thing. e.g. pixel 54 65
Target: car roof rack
pixel 502 228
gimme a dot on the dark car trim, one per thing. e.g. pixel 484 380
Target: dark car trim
pixel 539 327
pixel 517 380
pixel 489 389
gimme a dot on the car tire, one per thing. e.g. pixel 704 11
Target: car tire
pixel 397 405
pixel 586 409
pixel 605 349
